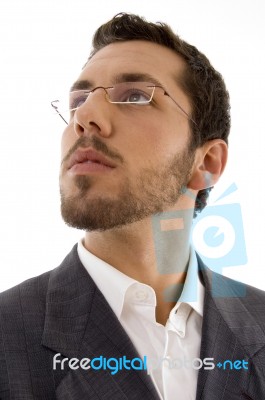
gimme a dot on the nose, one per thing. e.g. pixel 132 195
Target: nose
pixel 94 115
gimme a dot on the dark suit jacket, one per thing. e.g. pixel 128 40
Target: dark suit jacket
pixel 62 311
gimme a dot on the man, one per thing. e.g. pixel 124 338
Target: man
pixel 125 316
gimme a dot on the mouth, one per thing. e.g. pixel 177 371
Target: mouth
pixel 89 160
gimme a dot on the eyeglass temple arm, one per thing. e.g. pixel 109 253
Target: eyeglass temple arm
pixel 56 109
pixel 167 94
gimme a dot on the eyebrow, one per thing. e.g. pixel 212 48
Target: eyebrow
pixel 124 77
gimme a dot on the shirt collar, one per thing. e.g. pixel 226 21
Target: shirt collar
pixel 115 284
pixel 193 290
pixel 112 283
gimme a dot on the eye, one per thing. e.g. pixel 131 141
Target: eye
pixel 77 99
pixel 135 96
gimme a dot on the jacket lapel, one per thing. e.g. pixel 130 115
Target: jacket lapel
pixel 79 323
pixel 229 332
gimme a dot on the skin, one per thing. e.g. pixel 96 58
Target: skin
pixel 141 138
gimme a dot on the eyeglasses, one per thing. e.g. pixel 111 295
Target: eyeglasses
pixel 125 93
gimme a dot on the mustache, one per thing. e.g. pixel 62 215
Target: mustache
pixel 95 143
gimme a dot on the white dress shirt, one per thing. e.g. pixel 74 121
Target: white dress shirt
pixel 170 349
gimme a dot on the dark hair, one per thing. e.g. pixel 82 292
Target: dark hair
pixel 203 85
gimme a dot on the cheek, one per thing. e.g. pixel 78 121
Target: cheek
pixel 67 141
pixel 153 143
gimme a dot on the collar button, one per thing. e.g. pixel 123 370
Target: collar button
pixel 141 295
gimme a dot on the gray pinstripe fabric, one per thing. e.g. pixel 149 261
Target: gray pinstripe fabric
pixel 62 311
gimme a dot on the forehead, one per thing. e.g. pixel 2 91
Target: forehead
pixel 133 57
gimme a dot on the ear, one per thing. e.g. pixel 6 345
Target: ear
pixel 209 164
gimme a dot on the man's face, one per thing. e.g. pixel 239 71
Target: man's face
pixel 146 145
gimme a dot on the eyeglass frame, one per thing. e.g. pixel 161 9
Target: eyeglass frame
pixel 120 102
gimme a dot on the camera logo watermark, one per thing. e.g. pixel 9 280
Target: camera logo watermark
pixel 217 234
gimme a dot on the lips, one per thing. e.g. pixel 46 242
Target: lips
pixel 88 156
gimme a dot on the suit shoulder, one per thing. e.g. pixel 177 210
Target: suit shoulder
pixel 224 286
pixel 233 295
pixel 256 291
pixel 32 290
pixel 249 291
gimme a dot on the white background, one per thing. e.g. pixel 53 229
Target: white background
pixel 44 44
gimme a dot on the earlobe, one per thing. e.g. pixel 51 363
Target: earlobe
pixel 209 164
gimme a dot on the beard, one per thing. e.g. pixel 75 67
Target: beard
pixel 151 193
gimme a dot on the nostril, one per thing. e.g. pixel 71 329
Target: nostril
pixel 92 123
pixel 79 129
